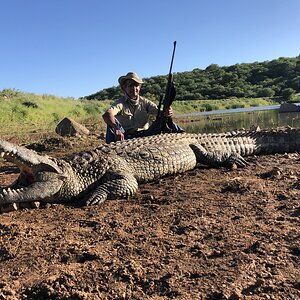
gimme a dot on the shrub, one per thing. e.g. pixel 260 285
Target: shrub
pixel 265 92
pixel 208 107
pixel 237 105
pixel 9 93
pixel 30 104
pixel 288 93
pixel 91 108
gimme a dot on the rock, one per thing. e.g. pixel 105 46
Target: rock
pixel 288 107
pixel 70 127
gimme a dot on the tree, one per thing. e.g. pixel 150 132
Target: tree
pixel 264 79
pixel 288 93
pixel 295 83
pixel 265 92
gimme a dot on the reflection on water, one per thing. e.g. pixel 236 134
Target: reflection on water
pixel 235 121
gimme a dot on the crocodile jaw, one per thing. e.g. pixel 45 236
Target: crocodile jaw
pixel 37 191
pixel 23 156
pixel 40 177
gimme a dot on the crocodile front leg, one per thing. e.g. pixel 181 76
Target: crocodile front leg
pixel 114 185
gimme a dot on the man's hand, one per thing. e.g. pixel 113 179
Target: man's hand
pixel 119 135
pixel 169 112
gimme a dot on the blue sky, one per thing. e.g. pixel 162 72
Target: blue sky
pixel 78 47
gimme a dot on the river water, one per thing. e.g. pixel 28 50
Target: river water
pixel 240 118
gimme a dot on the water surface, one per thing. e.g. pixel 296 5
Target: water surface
pixel 234 119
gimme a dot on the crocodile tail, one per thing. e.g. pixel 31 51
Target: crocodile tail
pixel 277 141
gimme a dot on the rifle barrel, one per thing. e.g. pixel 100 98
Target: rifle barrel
pixel 165 101
pixel 174 47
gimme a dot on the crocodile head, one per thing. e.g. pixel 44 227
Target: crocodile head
pixel 40 178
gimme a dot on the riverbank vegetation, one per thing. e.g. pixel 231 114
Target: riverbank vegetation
pixel 27 112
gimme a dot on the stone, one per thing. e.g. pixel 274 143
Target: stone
pixel 288 107
pixel 69 127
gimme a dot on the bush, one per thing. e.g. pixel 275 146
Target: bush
pixel 9 93
pixel 209 107
pixel 235 105
pixel 30 104
pixel 91 108
pixel 265 92
pixel 288 93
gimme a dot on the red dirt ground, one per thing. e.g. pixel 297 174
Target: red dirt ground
pixel 205 234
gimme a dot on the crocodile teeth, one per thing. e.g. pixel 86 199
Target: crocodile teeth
pixel 12 192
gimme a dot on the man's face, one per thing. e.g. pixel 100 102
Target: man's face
pixel 132 88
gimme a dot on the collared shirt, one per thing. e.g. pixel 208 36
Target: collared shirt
pixel 133 117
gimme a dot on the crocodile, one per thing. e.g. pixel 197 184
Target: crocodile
pixel 113 171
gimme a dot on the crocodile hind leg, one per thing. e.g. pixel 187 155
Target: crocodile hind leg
pixel 218 157
pixel 113 186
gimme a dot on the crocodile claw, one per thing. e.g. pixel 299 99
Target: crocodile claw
pixel 236 159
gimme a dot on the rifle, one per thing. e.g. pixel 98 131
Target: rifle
pixel 166 123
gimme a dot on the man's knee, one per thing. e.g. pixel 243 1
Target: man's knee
pixel 110 135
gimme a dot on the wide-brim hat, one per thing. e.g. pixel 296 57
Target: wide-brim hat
pixel 130 76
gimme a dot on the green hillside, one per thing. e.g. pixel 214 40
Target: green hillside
pixel 27 112
pixel 279 78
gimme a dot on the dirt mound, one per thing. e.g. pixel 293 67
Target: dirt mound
pixel 50 144
pixel 65 145
pixel 205 234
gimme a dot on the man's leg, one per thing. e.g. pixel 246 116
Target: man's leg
pixel 155 129
pixel 110 133
pixel 176 128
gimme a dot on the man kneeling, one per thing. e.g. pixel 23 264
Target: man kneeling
pixel 128 117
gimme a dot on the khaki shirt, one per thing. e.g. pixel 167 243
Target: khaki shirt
pixel 133 118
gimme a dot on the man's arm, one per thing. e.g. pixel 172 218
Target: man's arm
pixel 152 109
pixel 110 120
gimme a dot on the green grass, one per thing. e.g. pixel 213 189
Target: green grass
pixel 26 112
pixel 184 107
pixel 21 112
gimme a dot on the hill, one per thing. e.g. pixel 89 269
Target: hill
pixel 23 112
pixel 277 78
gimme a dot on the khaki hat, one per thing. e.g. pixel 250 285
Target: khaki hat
pixel 130 76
